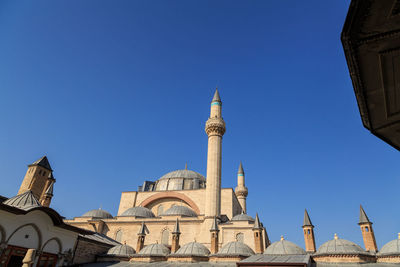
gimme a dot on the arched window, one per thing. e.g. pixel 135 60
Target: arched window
pixel 118 236
pixel 240 237
pixel 165 237
pixel 366 229
pixel 160 210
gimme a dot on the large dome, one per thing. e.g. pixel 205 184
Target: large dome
pixel 181 180
pixel 139 212
pixel 340 246
pixel 193 249
pixel 99 213
pixel 154 250
pixel 284 247
pixel 179 211
pixel 391 248
pixel 236 248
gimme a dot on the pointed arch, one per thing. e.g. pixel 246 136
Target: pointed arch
pixel 55 239
pixel 167 194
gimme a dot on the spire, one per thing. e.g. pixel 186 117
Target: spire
pixel 49 190
pixel 307 220
pixel 177 229
pixel 363 216
pixel 240 170
pixel 43 162
pixel 216 97
pixel 143 229
pixel 214 226
pixel 257 224
pixel 336 237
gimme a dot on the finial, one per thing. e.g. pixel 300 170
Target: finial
pixel 282 238
pixel 336 236
pixel 186 166
pixel 240 170
pixel 398 235
pixel 216 97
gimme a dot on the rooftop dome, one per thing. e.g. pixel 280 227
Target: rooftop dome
pixel 179 211
pixel 242 217
pixel 284 247
pixel 154 250
pixel 140 212
pixel 24 201
pixel 340 246
pixel 99 213
pixel 121 251
pixel 193 249
pixel 181 180
pixel 391 248
pixel 236 248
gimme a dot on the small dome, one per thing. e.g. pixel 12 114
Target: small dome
pixel 24 201
pixel 340 246
pixel 140 212
pixel 284 247
pixel 179 211
pixel 391 248
pixel 193 249
pixel 99 213
pixel 121 251
pixel 242 217
pixel 181 180
pixel 154 250
pixel 236 248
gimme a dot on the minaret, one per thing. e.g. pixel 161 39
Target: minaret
pixel 141 236
pixel 367 232
pixel 258 238
pixel 214 236
pixel 47 196
pixel 241 190
pixel 308 229
pixel 37 178
pixel 215 129
pixel 175 237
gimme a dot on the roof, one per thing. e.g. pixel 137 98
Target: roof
pixel 179 211
pixel 43 162
pixel 100 238
pixel 391 248
pixel 257 224
pixel 307 220
pixel 121 251
pixel 216 97
pixel 193 249
pixel 242 217
pixel 240 170
pixel 183 174
pixel 140 212
pixel 262 258
pixel 363 216
pixel 236 248
pixel 143 229
pixel 214 226
pixel 154 250
pixel 181 180
pixel 284 247
pixel 177 229
pixel 50 189
pixel 24 201
pixel 161 264
pixel 98 213
pixel 340 246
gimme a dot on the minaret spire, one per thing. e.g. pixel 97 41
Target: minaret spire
pixel 258 235
pixel 215 129
pixel 308 228
pixel 241 190
pixel 367 231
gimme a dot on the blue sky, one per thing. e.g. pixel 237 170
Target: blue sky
pixel 116 92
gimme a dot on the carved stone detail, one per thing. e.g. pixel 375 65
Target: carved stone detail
pixel 215 126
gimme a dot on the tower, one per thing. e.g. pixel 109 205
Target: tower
pixel 214 236
pixel 37 178
pixel 215 129
pixel 308 229
pixel 141 236
pixel 258 238
pixel 367 232
pixel 47 196
pixel 175 237
pixel 241 190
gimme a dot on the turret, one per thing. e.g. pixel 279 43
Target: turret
pixel 214 236
pixel 367 232
pixel 258 237
pixel 308 229
pixel 47 196
pixel 141 236
pixel 215 129
pixel 175 237
pixel 241 190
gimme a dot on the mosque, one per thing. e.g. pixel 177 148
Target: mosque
pixel 181 219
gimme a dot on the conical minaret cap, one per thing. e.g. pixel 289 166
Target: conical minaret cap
pixel 307 220
pixel 43 162
pixel 177 229
pixel 143 229
pixel 214 226
pixel 363 216
pixel 257 224
pixel 240 170
pixel 216 97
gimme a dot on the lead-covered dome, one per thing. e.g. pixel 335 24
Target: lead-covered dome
pixel 121 251
pixel 179 211
pixel 24 201
pixel 99 213
pixel 284 247
pixel 340 246
pixel 242 217
pixel 236 248
pixel 181 180
pixel 140 212
pixel 193 249
pixel 154 250
pixel 391 248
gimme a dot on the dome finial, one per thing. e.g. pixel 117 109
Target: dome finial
pixel 336 237
pixel 186 166
pixel 282 238
pixel 398 235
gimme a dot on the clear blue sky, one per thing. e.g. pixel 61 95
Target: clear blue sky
pixel 116 92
